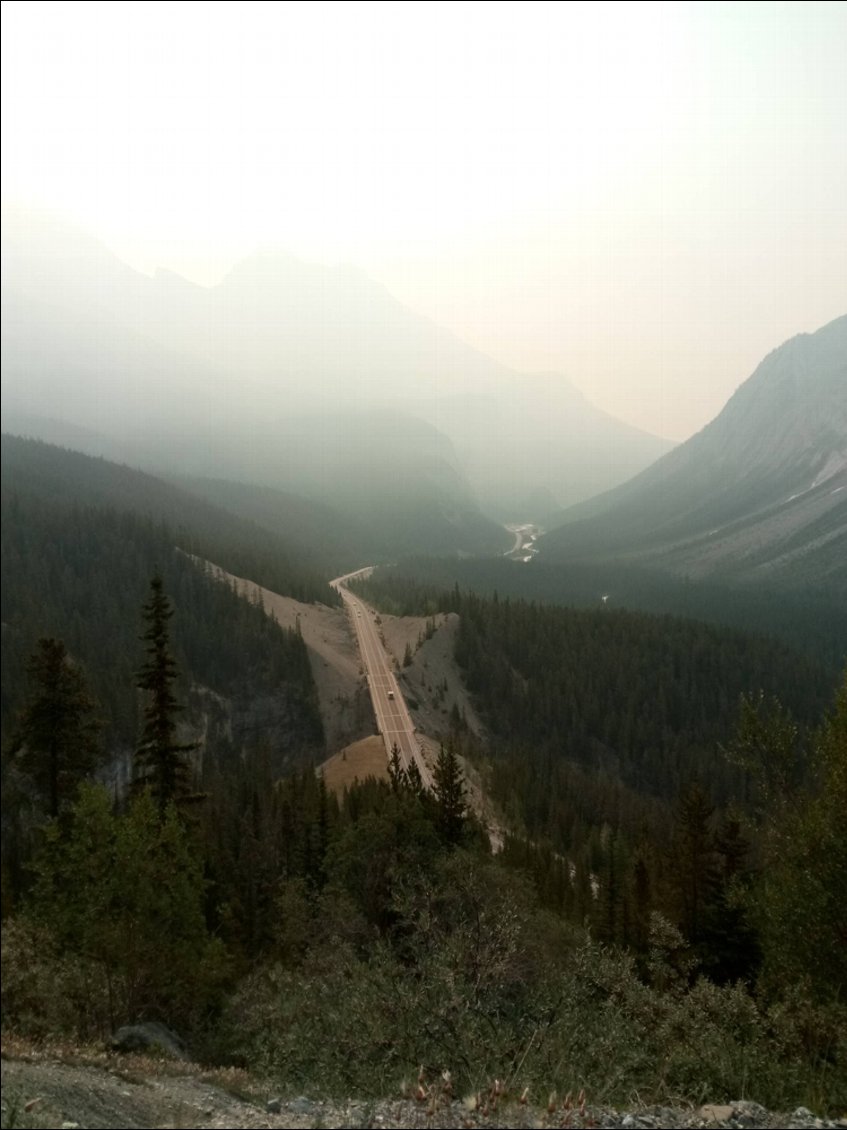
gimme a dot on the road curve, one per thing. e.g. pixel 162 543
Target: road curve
pixel 392 715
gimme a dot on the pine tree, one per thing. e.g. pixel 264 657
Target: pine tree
pixel 57 732
pixel 396 772
pixel 696 878
pixel 161 762
pixel 414 781
pixel 406 779
pixel 449 788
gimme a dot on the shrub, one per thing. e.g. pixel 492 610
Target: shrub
pixel 122 896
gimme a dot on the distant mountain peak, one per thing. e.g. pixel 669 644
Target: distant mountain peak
pixel 277 269
pixel 87 332
pixel 759 491
pixel 166 277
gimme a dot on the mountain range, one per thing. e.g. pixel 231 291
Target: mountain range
pixel 202 379
pixel 757 496
pixel 350 410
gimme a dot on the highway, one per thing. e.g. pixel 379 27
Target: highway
pixel 392 715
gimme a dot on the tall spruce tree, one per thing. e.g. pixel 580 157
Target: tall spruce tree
pixel 449 789
pixel 161 762
pixel 695 875
pixel 57 732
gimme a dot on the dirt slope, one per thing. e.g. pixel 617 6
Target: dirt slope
pixel 333 655
pixel 431 683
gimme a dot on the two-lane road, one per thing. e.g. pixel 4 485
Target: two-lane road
pixel 392 715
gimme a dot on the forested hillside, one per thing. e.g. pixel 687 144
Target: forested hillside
pixel 609 732
pixel 326 538
pixel 811 622
pixel 229 537
pixel 643 699
pixel 343 944
pixel 340 942
pixel 81 540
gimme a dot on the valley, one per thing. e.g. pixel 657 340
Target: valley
pixel 552 761
pixel 423 544
pixel 525 546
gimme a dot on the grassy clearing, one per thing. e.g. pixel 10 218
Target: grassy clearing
pixel 356 762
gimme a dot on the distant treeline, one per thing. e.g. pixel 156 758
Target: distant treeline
pixel 239 544
pixel 814 621
pixel 602 717
pixel 76 565
pixel 658 906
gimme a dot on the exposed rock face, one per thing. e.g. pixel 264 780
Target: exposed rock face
pixel 760 492
pixel 147 1037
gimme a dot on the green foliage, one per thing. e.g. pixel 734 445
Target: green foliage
pixel 694 869
pixel 476 980
pixel 454 985
pixel 160 760
pixel 125 895
pixel 640 694
pixel 799 899
pixel 812 622
pixel 404 778
pixel 644 699
pixel 766 744
pixel 374 931
pixel 54 747
pixel 449 790
pixel 222 531
pixel 47 989
pixel 597 720
pixel 56 737
pixel 264 840
pixel 383 837
pixel 73 572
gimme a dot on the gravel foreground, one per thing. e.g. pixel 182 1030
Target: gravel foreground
pixel 133 1092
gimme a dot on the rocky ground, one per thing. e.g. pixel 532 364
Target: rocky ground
pixel 69 1088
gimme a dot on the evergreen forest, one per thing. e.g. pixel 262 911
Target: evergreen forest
pixel 811 620
pixel 663 917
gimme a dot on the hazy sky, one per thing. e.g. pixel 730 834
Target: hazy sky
pixel 645 197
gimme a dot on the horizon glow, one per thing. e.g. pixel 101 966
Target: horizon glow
pixel 646 197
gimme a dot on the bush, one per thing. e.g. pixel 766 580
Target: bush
pixel 469 984
pixel 453 985
pixel 122 898
pixel 49 993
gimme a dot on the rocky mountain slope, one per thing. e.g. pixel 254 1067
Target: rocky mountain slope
pixel 758 495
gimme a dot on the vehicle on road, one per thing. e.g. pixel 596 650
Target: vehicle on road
pixel 391 694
